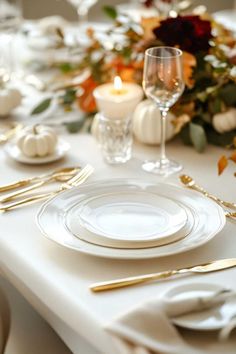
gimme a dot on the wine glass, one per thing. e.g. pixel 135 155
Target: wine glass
pixel 163 82
pixel 82 8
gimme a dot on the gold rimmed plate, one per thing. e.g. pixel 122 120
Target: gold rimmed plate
pixel 208 218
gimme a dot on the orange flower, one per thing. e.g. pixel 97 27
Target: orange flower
pixel 148 25
pixel 86 100
pixel 127 74
pixel 189 62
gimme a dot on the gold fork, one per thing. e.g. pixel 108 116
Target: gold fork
pixel 73 182
pixel 27 181
pixel 61 176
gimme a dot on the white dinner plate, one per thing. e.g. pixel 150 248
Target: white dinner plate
pixel 209 218
pixel 128 220
pixel 213 318
pixel 14 152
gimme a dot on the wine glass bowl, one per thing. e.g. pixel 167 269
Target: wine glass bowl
pixel 163 83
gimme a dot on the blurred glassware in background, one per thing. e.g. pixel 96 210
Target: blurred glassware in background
pixel 10 15
pixel 82 8
pixel 10 22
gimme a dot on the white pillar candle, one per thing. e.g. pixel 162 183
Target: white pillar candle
pixel 117 100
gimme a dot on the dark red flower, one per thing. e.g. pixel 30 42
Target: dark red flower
pixel 149 3
pixel 190 33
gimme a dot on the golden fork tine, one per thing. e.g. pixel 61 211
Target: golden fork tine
pixel 73 182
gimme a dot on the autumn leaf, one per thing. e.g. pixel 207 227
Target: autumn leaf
pixel 222 164
pixel 233 156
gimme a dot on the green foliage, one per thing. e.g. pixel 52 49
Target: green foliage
pixel 110 11
pixel 224 139
pixel 198 136
pixel 69 97
pixel 228 94
pixel 42 106
pixel 75 126
pixel 66 67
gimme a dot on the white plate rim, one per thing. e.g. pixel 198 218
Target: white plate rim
pixel 184 322
pixel 101 251
pixel 14 152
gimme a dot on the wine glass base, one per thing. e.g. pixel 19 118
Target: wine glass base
pixel 166 169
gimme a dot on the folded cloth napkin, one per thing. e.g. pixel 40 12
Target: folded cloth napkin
pixel 148 329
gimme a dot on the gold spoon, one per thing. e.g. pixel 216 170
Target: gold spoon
pixel 60 175
pixel 190 183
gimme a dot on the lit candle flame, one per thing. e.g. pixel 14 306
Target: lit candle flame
pixel 118 84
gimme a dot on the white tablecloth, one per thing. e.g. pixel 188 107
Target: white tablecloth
pixel 56 280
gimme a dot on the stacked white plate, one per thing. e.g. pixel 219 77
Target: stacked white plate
pixel 130 219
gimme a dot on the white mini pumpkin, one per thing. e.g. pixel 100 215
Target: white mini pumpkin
pixel 10 98
pixel 147 123
pixel 37 141
pixel 225 122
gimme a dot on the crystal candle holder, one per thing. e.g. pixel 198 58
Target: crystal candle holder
pixel 116 103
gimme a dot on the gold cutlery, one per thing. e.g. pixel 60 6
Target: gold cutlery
pixel 25 182
pixel 139 279
pixel 13 128
pixel 61 176
pixel 190 183
pixel 75 181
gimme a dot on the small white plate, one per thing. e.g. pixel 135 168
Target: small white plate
pixel 128 219
pixel 14 152
pixel 214 318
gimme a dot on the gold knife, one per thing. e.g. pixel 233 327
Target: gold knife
pixel 139 279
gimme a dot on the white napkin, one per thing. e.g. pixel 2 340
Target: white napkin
pixel 148 329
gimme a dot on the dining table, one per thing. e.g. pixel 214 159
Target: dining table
pixel 56 280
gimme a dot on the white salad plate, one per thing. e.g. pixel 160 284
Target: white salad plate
pixel 210 319
pixel 15 153
pixel 127 219
pixel 59 221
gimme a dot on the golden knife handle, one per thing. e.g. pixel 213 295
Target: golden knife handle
pixel 26 201
pixel 12 195
pixel 8 187
pixel 139 279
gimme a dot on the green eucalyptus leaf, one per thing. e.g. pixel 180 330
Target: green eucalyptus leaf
pixel 215 106
pixel 75 126
pixel 198 137
pixel 69 96
pixel 216 138
pixel 110 11
pixel 185 136
pixel 228 94
pixel 42 106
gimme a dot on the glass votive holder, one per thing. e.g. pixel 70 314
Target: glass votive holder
pixel 115 138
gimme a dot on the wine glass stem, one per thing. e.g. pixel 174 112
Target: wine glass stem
pixel 82 15
pixel 163 159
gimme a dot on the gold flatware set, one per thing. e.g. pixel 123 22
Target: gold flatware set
pixel 71 176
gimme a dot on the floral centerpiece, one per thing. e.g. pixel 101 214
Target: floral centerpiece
pixel 207 110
